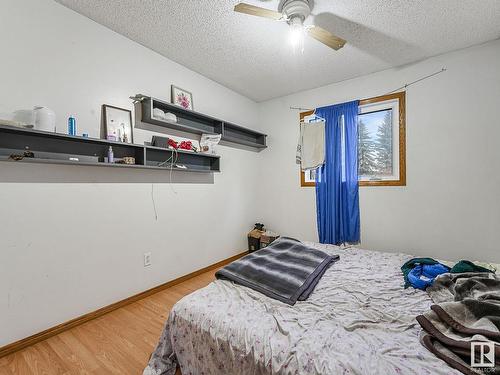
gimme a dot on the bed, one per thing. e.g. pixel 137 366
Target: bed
pixel 359 320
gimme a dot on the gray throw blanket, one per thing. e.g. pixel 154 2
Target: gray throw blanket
pixel 467 312
pixel 286 270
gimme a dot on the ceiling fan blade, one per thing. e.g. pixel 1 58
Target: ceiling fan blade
pixel 326 37
pixel 256 11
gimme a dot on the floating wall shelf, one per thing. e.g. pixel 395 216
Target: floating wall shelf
pixel 55 148
pixel 198 123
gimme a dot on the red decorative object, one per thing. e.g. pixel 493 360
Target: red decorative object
pixel 186 145
pixel 173 143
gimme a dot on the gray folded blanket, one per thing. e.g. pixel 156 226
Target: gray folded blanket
pixel 468 312
pixel 286 270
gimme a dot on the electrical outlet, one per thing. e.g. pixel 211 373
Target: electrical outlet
pixel 147 259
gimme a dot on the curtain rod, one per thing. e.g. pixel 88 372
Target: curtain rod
pixel 390 92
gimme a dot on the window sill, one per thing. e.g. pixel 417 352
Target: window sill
pixel 400 182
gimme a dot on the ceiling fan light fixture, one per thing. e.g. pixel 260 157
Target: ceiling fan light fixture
pixel 294 12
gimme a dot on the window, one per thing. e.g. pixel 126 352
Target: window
pixel 381 142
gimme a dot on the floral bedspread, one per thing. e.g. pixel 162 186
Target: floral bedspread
pixel 359 320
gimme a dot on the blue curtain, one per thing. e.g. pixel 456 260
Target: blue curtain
pixel 337 199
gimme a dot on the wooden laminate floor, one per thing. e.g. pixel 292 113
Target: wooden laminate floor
pixel 117 343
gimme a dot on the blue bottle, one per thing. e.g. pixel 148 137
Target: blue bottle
pixel 71 125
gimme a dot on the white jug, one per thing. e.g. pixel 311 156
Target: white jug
pixel 44 119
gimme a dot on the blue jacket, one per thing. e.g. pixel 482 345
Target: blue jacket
pixel 423 275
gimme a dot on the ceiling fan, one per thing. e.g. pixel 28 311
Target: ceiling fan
pixel 294 12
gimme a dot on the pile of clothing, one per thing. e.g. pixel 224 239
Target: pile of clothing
pixel 421 272
pixel 463 326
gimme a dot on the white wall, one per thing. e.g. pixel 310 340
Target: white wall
pixel 450 207
pixel 72 238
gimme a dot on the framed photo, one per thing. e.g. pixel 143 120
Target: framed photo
pixel 182 98
pixel 117 124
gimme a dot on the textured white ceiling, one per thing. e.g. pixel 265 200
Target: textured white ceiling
pixel 253 56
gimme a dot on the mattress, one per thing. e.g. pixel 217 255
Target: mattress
pixel 359 320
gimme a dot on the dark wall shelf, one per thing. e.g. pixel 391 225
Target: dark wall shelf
pixel 55 148
pixel 198 123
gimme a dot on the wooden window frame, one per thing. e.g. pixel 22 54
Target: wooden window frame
pixel 401 181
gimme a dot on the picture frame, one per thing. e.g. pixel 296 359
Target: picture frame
pixel 117 124
pixel 181 98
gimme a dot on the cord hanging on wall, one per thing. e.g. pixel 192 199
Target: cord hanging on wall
pixel 153 199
